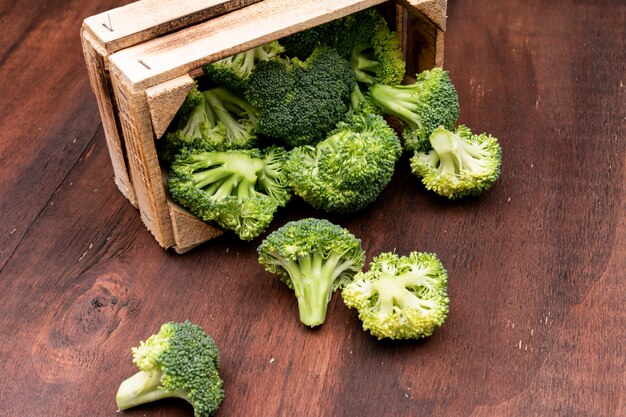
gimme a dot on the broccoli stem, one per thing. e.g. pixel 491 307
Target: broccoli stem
pixel 398 101
pixel 141 388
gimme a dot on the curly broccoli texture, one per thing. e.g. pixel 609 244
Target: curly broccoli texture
pixel 430 102
pixel 347 171
pixel 314 258
pixel 180 361
pixel 233 72
pixel 219 120
pixel 400 297
pixel 300 101
pixel 238 189
pixel 460 163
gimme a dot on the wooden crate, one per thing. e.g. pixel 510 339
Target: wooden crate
pixel 142 59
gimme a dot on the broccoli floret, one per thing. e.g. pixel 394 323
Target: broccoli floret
pixel 233 72
pixel 430 102
pixel 300 101
pixel 347 171
pixel 238 189
pixel 220 120
pixel 460 164
pixel 302 44
pixel 193 99
pixel 181 361
pixel 238 117
pixel 378 58
pixel 400 297
pixel 314 258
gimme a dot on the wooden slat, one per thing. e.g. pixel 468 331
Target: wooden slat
pixel 165 99
pixel 171 56
pixel 137 22
pixel 189 231
pixel 100 85
pixel 134 116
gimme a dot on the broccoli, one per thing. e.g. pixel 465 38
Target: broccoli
pixel 314 258
pixel 180 361
pixel 400 297
pixel 234 71
pixel 348 170
pixel 219 120
pixel 238 189
pixel 423 106
pixel 300 101
pixel 460 164
pixel 378 58
pixel 193 99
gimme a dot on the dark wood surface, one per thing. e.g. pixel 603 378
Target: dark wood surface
pixel 536 264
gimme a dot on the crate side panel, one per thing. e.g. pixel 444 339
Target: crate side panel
pixel 165 99
pixel 134 117
pixel 422 42
pixel 434 10
pixel 143 20
pixel 189 230
pixel 99 79
pixel 171 56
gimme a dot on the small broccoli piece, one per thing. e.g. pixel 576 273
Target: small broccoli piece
pixel 238 117
pixel 400 297
pixel 378 59
pixel 314 258
pixel 430 102
pixel 347 171
pixel 181 361
pixel 300 101
pixel 460 164
pixel 234 71
pixel 193 99
pixel 220 120
pixel 198 128
pixel 238 189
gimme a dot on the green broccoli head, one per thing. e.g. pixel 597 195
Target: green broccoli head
pixel 238 189
pixel 220 120
pixel 460 164
pixel 400 297
pixel 314 258
pixel 300 101
pixel 347 171
pixel 234 71
pixel 180 361
pixel 378 58
pixel 423 106
pixel 238 117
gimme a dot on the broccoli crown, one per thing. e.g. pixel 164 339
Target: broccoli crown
pixel 460 164
pixel 219 120
pixel 302 44
pixel 378 58
pixel 314 258
pixel 423 106
pixel 300 101
pixel 400 297
pixel 347 171
pixel 238 189
pixel 234 71
pixel 180 361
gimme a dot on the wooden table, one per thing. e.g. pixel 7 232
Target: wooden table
pixel 536 264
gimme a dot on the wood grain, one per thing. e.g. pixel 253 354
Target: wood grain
pixel 536 264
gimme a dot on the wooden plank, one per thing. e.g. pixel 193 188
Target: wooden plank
pixel 171 56
pixel 423 42
pixel 142 20
pixel 98 77
pixel 165 99
pixel 134 116
pixel 189 231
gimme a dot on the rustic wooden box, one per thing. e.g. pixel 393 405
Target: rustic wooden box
pixel 142 59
